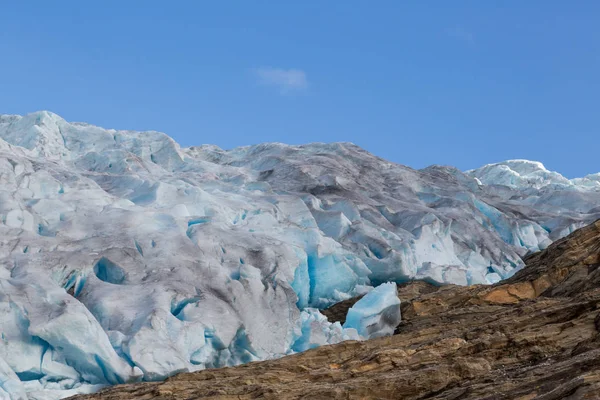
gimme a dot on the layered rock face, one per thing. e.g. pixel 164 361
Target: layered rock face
pixel 533 336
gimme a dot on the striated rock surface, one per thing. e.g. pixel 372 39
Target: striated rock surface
pixel 533 336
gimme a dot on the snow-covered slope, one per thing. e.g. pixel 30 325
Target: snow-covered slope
pixel 124 256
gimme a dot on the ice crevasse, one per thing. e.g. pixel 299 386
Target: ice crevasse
pixel 125 257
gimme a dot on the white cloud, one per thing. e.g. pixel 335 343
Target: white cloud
pixel 286 80
pixel 460 33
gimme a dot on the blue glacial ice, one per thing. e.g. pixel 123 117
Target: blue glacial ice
pixel 376 314
pixel 316 330
pixel 126 257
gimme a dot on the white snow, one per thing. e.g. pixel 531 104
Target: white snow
pixel 525 173
pixel 124 256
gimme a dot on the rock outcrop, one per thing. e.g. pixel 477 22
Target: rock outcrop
pixel 533 336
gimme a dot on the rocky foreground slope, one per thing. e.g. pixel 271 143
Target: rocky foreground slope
pixel 533 336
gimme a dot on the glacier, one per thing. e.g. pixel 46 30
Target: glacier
pixel 125 257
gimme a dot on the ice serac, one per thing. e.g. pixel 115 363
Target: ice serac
pixel 376 314
pixel 317 331
pixel 124 256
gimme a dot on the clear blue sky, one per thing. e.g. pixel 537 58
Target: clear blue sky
pixel 460 83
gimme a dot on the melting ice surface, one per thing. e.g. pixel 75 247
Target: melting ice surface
pixel 125 257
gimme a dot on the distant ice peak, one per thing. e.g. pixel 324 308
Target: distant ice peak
pixel 526 174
